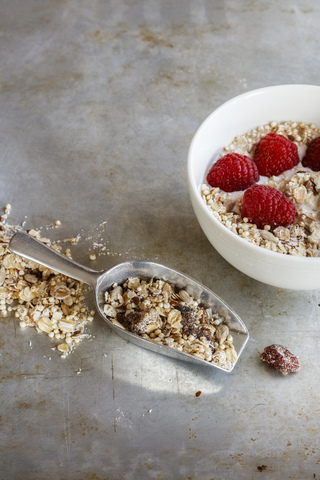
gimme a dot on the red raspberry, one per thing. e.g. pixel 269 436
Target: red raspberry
pixel 264 205
pixel 274 154
pixel 233 172
pixel 312 156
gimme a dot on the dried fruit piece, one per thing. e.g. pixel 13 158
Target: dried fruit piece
pixel 233 172
pixel 264 205
pixel 312 156
pixel 275 154
pixel 281 358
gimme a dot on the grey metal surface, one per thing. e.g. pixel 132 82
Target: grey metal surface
pixel 98 104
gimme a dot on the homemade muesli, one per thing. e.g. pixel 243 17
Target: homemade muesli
pixel 41 298
pixel 300 184
pixel 156 310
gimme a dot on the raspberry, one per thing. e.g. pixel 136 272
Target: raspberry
pixel 312 156
pixel 264 205
pixel 274 154
pixel 233 172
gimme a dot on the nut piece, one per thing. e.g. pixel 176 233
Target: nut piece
pixel 281 358
pixel 185 297
pixel 221 333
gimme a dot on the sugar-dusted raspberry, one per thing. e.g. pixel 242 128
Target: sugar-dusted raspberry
pixel 312 156
pixel 233 172
pixel 274 154
pixel 264 205
pixel 281 358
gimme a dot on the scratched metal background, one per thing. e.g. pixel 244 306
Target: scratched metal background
pixel 99 101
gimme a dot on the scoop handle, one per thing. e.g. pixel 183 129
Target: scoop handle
pixel 28 247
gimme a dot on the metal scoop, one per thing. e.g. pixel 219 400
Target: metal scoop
pixel 25 245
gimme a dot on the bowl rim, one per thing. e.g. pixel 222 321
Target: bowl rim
pixel 196 189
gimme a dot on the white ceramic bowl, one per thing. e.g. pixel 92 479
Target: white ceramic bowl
pixel 233 118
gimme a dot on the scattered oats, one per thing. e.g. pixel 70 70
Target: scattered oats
pixel 93 257
pixel 45 324
pixel 39 297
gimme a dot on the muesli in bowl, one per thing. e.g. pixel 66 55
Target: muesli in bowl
pixel 281 156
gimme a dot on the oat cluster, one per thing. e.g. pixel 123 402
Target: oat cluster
pixel 158 311
pixel 300 184
pixel 41 298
